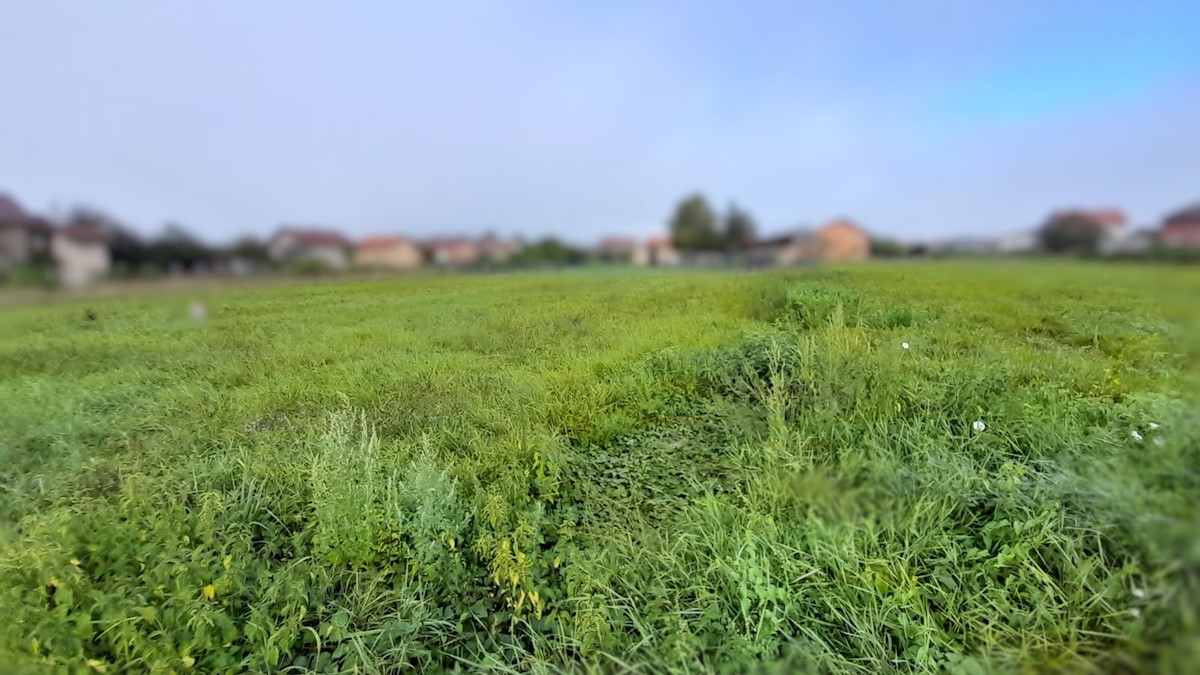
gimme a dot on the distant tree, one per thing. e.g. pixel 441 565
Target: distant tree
pixel 548 251
pixel 694 226
pixel 1071 233
pixel 249 248
pixel 739 228
pixel 177 246
pixel 886 248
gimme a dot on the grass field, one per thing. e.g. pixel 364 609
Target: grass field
pixel 609 470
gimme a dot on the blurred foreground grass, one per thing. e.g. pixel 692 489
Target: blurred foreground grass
pixel 609 470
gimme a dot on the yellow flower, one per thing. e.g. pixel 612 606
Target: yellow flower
pixel 75 562
pixel 188 661
pixel 209 591
pixel 97 666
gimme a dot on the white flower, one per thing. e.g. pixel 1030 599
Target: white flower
pixel 904 344
pixel 1136 436
pixel 1139 593
pixel 979 425
pixel 1153 425
pixel 1135 612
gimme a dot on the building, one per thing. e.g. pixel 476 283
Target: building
pixel 842 241
pixel 453 252
pixel 839 241
pixel 1014 243
pixel 496 250
pixel 395 253
pixel 617 249
pixel 81 254
pixel 24 239
pixel 292 245
pixel 1182 228
pixel 656 252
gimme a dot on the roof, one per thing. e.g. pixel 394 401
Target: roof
pixel 448 241
pixel 841 224
pixel 11 211
pixel 1188 215
pixel 315 237
pixel 85 233
pixel 617 244
pixel 1104 217
pixel 659 242
pixel 382 242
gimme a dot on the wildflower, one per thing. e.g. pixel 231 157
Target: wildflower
pixel 979 426
pixel 1139 593
pixel 1153 425
pixel 209 591
pixel 904 344
pixel 97 666
pixel 1135 612
pixel 1136 436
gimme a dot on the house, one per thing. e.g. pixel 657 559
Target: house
pixel 1182 228
pixel 391 252
pixel 24 239
pixel 1013 243
pixel 497 250
pixel 1110 223
pixel 842 241
pixel 292 245
pixel 839 241
pixel 81 253
pixel 453 251
pixel 656 252
pixel 617 249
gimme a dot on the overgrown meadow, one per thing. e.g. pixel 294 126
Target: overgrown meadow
pixel 909 467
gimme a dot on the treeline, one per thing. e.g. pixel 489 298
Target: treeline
pixel 175 249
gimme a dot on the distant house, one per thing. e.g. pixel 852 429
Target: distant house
pixel 1109 222
pixel 24 238
pixel 1182 228
pixel 1024 241
pixel 839 241
pixel 390 252
pixel 617 249
pixel 497 250
pixel 81 254
pixel 453 252
pixel 657 252
pixel 843 241
pixel 291 245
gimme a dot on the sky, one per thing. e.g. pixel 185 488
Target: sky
pixel 918 119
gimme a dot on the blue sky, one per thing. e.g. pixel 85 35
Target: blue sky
pixel 918 119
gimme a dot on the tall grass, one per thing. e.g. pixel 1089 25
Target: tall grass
pixel 610 471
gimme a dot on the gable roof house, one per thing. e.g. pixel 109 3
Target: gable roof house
pixel 497 250
pixel 839 241
pixel 24 238
pixel 291 245
pixel 395 253
pixel 81 253
pixel 453 251
pixel 1182 228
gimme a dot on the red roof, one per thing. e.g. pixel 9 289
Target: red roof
pixel 659 242
pixel 381 242
pixel 1108 218
pixel 617 244
pixel 316 237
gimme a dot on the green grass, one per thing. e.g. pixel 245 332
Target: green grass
pixel 607 471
